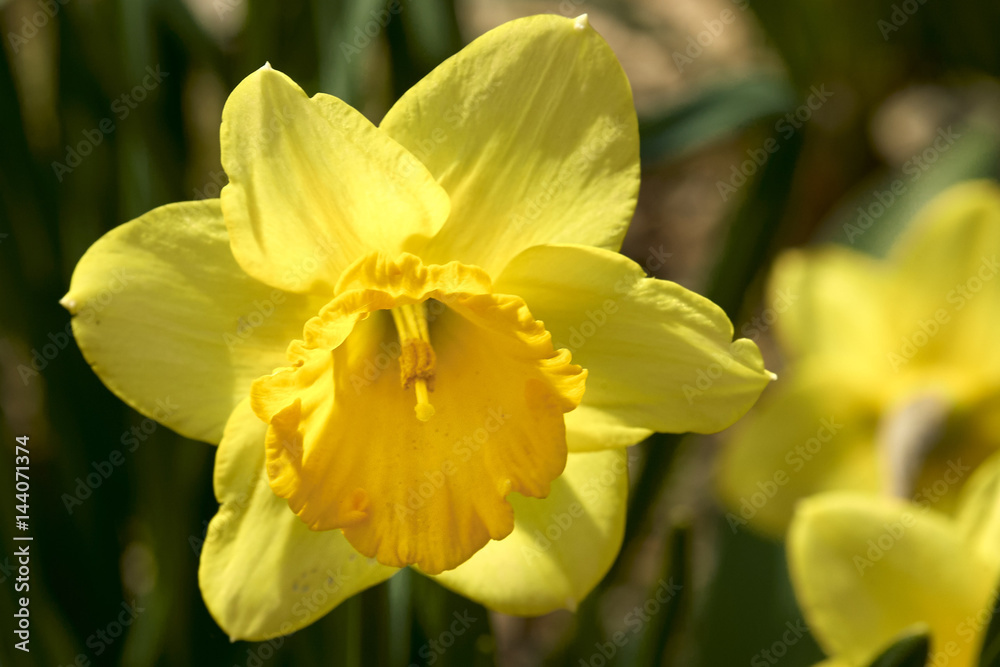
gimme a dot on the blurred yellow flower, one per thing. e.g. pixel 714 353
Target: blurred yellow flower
pixel 867 570
pixel 359 321
pixel 893 375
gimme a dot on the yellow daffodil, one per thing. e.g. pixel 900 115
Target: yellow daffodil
pixel 870 569
pixel 376 324
pixel 893 376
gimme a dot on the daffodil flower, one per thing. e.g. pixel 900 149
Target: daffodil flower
pixel 893 376
pixel 376 324
pixel 869 569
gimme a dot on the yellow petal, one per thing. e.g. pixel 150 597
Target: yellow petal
pixel 832 303
pixel 810 433
pixel 561 547
pixel 947 290
pixel 866 569
pixel 313 185
pixel 660 358
pixel 979 510
pixel 263 573
pixel 532 131
pixel 347 451
pixel 171 323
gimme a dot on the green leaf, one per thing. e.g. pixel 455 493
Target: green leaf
pixel 753 229
pixel 425 34
pixel 448 629
pixel 881 208
pixel 675 586
pixel 660 454
pixel 347 35
pixel 990 655
pixel 747 608
pixel 910 651
pixel 400 616
pixel 714 112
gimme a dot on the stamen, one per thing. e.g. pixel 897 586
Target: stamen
pixel 424 409
pixel 417 359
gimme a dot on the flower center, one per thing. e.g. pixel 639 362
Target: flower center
pixel 416 361
pixel 342 444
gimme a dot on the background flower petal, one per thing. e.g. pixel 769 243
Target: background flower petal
pixel 946 281
pixel 867 568
pixel 979 510
pixel 828 299
pixel 810 433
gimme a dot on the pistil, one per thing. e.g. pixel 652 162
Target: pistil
pixel 417 359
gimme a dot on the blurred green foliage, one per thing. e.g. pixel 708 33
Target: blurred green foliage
pixel 134 539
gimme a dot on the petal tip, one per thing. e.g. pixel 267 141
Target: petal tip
pixel 68 303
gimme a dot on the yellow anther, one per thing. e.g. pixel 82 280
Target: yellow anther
pixel 416 362
pixel 417 359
